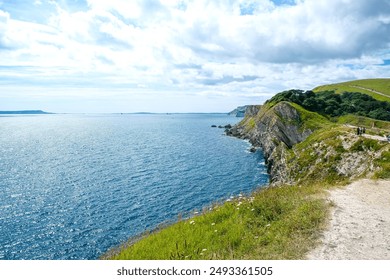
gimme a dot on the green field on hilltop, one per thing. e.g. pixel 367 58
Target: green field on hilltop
pixel 367 86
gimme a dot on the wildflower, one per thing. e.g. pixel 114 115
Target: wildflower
pixel 213 224
pixel 204 250
pixel 192 222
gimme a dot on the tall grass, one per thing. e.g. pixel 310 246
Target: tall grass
pixel 274 223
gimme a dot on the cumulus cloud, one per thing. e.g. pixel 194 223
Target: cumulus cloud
pixel 250 48
pixel 309 32
pixel 4 17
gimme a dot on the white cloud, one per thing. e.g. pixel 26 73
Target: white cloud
pixel 4 18
pixel 232 48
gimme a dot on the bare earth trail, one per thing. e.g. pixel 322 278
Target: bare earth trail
pixel 359 228
pixel 374 91
pixel 375 137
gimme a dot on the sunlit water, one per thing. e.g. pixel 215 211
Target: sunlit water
pixel 74 186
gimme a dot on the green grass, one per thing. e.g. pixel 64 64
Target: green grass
pixel 275 223
pixel 384 163
pixel 318 157
pixel 306 154
pixel 364 122
pixel 380 85
pixel 311 120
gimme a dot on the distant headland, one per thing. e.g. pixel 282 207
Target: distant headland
pixel 24 112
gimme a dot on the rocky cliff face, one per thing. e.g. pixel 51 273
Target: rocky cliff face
pixel 246 110
pixel 252 110
pixel 333 153
pixel 274 130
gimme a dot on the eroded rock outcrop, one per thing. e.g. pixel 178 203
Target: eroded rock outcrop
pixel 274 129
pixel 332 154
pixel 247 110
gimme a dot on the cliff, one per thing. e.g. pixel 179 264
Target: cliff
pixel 301 146
pixel 242 111
pixel 274 129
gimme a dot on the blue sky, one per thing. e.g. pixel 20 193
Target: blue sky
pixel 183 55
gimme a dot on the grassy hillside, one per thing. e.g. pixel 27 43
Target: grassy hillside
pixel 276 223
pixel 377 88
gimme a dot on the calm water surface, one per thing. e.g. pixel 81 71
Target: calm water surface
pixel 73 186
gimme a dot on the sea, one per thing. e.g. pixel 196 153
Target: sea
pixel 73 186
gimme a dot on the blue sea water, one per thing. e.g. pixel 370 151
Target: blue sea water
pixel 74 186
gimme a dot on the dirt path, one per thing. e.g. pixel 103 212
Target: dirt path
pixel 375 137
pixel 359 228
pixel 374 91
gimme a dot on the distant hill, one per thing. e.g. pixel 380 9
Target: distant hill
pixel 24 112
pixel 377 88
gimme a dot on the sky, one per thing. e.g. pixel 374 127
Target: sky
pixel 99 56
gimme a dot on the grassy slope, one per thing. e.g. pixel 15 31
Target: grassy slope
pixel 276 223
pixel 311 120
pixel 380 85
pixel 316 159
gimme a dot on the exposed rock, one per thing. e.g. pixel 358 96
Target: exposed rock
pixel 334 153
pixel 273 129
pixel 238 112
pixel 246 110
pixel 252 110
pixel 213 125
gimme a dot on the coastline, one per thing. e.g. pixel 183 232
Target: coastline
pixel 287 219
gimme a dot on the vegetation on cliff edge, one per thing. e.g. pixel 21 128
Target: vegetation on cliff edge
pixel 275 223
